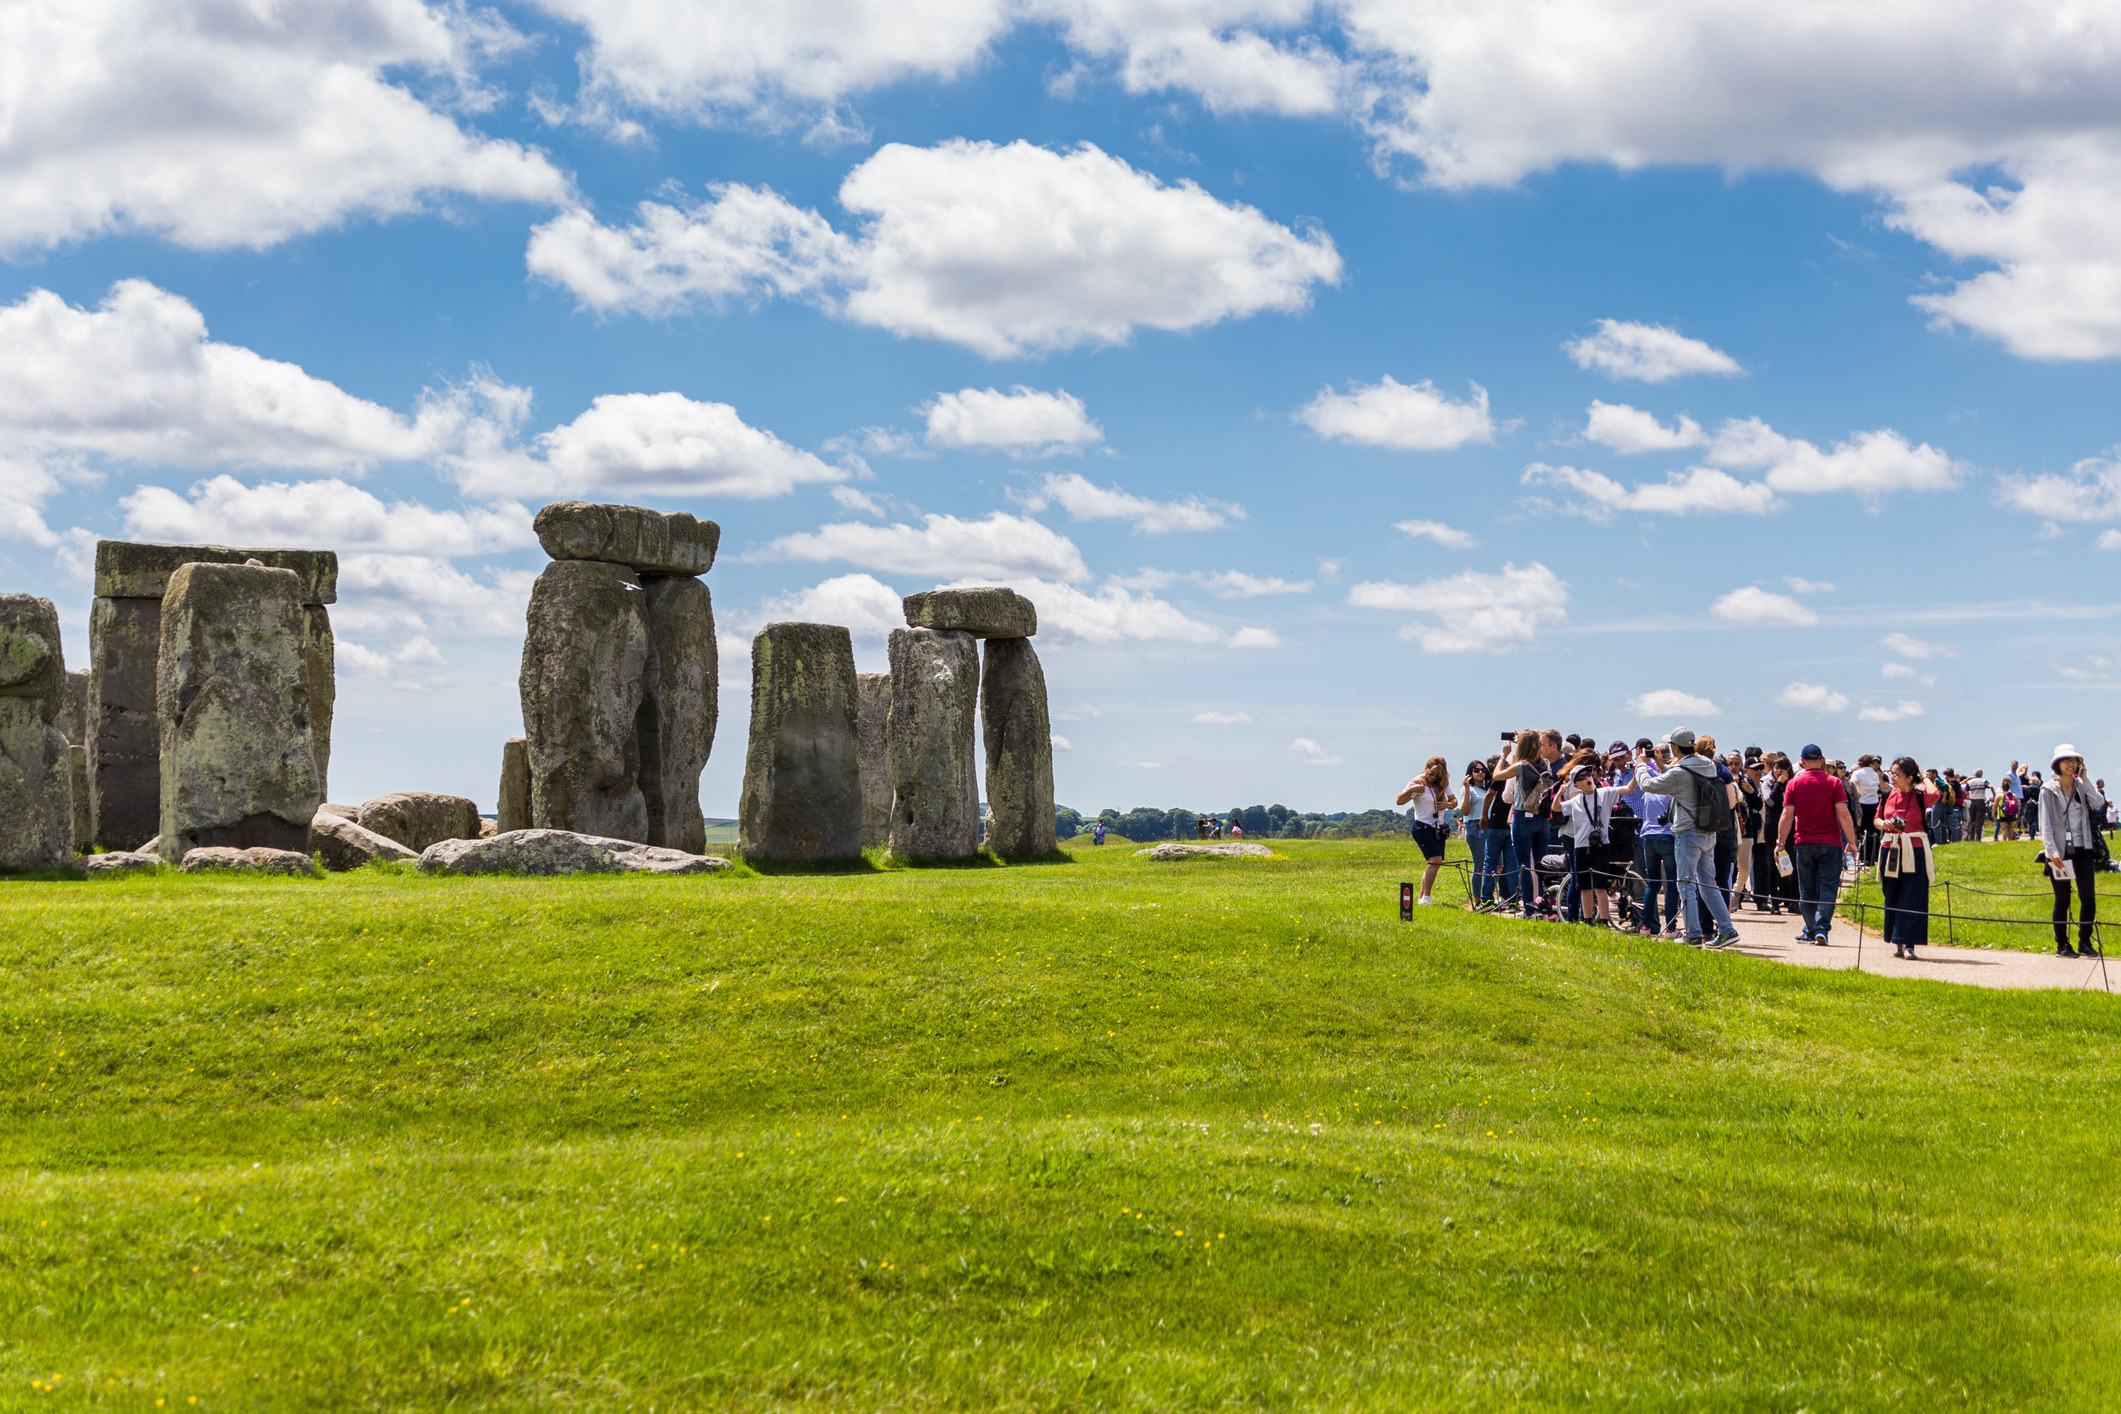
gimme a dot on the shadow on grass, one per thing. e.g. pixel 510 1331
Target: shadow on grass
pixel 778 868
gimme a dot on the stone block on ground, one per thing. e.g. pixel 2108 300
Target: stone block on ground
pixel 652 542
pixel 36 765
pixel 127 570
pixel 1233 850
pixel 257 859
pixel 933 744
pixel 418 818
pixel 1019 741
pixel 122 862
pixel 512 809
pixel 983 613
pixel 802 796
pixel 232 698
pixel 488 827
pixel 123 737
pixel 872 725
pixel 349 812
pixel 555 852
pixel 345 843
pixel 586 648
pixel 682 699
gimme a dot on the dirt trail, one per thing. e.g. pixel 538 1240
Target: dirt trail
pixel 1775 937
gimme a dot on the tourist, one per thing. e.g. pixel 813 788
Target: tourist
pixel 1725 867
pixel 1780 888
pixel 1700 810
pixel 1097 831
pixel 1529 787
pixel 1978 793
pixel 1745 773
pixel 2070 811
pixel 1654 842
pixel 1867 779
pixel 1237 828
pixel 1815 815
pixel 2031 813
pixel 1588 822
pixel 1430 795
pixel 1501 868
pixel 1473 793
pixel 1905 859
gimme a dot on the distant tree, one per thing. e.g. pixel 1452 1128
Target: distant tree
pixel 1067 823
pixel 1256 820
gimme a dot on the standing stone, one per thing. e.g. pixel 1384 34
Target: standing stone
pixel 874 691
pixel 125 634
pixel 36 768
pixel 983 613
pixel 73 719
pixel 933 732
pixel 124 742
pixel 586 648
pixel 653 542
pixel 77 779
pixel 680 702
pixel 512 809
pixel 802 773
pixel 232 695
pixel 320 660
pixel 1019 736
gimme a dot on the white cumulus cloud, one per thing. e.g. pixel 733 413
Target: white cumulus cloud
pixel 1900 712
pixel 1082 499
pixel 1919 649
pixel 1650 353
pixel 1697 490
pixel 1672 702
pixel 325 515
pixel 1310 753
pixel 1870 464
pixel 1255 638
pixel 998 548
pixel 649 444
pixel 1811 697
pixel 1416 417
pixel 1447 536
pixel 2089 491
pixel 1113 614
pixel 1629 430
pixel 1023 420
pixel 1222 719
pixel 1473 612
pixel 1005 250
pixel 222 124
pixel 1757 606
pixel 861 603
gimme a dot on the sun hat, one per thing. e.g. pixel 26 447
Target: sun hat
pixel 2063 753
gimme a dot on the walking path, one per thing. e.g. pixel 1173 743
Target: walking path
pixel 1774 936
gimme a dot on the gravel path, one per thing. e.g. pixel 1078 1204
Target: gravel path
pixel 1775 937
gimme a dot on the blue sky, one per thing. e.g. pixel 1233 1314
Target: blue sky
pixel 1175 315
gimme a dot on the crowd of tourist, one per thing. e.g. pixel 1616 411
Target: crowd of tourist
pixel 1668 838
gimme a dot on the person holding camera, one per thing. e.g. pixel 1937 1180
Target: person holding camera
pixel 1701 810
pixel 1904 859
pixel 2070 811
pixel 1430 793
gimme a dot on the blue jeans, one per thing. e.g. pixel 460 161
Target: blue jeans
pixel 1528 839
pixel 1818 882
pixel 1659 874
pixel 1695 854
pixel 1477 846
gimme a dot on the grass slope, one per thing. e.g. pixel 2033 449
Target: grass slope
pixel 1092 1135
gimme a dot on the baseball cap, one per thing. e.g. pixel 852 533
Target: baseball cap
pixel 1643 743
pixel 1811 752
pixel 1618 748
pixel 1680 737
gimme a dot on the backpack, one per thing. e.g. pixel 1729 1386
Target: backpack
pixel 1712 805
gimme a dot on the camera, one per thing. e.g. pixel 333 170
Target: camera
pixel 1509 736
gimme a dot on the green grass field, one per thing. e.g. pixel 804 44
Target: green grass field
pixel 1097 1135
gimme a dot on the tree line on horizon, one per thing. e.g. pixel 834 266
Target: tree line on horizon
pixel 1146 824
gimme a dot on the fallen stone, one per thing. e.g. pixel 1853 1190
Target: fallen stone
pixel 586 647
pixel 872 726
pixel 983 613
pixel 933 731
pixel 123 862
pixel 682 699
pixel 345 843
pixel 125 570
pixel 232 696
pixel 1019 740
pixel 488 827
pixel 546 853
pixel 653 542
pixel 124 739
pixel 802 796
pixel 418 818
pixel 36 766
pixel 349 812
pixel 1244 850
pixel 256 859
pixel 512 809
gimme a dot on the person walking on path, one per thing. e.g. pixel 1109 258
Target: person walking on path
pixel 1815 813
pixel 1904 858
pixel 1867 780
pixel 1430 793
pixel 1654 842
pixel 2070 811
pixel 1701 809
pixel 1978 793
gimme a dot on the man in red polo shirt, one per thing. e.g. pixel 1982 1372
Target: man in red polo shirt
pixel 1815 808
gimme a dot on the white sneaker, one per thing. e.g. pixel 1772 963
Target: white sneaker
pixel 1424 899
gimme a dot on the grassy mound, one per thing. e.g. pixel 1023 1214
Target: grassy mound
pixel 1992 895
pixel 1102 1134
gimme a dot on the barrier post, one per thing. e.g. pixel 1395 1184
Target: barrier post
pixel 1949 935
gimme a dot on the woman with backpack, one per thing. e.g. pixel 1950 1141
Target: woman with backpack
pixel 2070 811
pixel 1527 790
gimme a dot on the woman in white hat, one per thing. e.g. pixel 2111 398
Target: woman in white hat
pixel 2070 809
